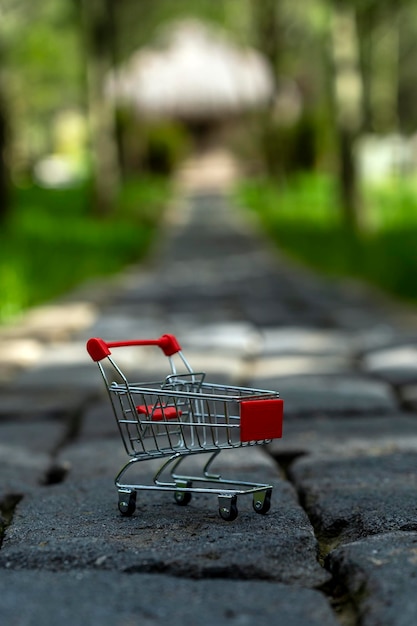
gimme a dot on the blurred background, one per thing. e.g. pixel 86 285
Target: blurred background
pixel 102 102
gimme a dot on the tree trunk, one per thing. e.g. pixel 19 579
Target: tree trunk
pixel 348 99
pixel 99 33
pixel 268 38
pixel 268 30
pixel 379 61
pixel 348 181
pixel 4 169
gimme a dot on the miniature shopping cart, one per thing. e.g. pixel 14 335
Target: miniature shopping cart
pixel 181 416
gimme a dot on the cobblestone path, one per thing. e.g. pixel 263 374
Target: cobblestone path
pixel 339 545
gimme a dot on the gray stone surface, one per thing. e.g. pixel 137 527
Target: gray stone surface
pixel 26 452
pixel 307 341
pixel 346 436
pixel 316 394
pixel 292 365
pixel 76 524
pixel 355 497
pixel 343 358
pixel 396 365
pixel 379 574
pixel 408 397
pixel 100 597
pixel 36 403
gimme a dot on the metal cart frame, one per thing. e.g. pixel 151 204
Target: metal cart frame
pixel 181 416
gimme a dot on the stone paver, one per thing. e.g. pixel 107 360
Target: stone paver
pixel 98 597
pixel 78 526
pixel 337 546
pixel 341 436
pixel 355 497
pixel 379 573
pixel 330 394
pixel 396 365
pixel 161 537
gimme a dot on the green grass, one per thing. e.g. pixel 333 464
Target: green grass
pixel 304 219
pixel 52 242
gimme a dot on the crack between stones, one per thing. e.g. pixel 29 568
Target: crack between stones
pixel 340 601
pixel 8 506
pixel 174 570
pixel 339 598
pixel 215 572
pixel 57 471
pixel 73 426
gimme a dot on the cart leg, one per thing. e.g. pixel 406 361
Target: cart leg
pixel 127 502
pixel 262 501
pixel 206 469
pixel 228 508
pixel 183 497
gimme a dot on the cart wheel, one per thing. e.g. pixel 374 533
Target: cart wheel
pixel 228 508
pixel 182 498
pixel 262 501
pixel 127 503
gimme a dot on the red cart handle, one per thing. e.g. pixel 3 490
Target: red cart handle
pixel 98 349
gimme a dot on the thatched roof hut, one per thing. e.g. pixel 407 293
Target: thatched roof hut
pixel 197 73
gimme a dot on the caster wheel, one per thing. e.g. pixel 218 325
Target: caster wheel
pixel 262 502
pixel 182 498
pixel 228 508
pixel 127 503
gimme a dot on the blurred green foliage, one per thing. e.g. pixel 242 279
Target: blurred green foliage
pixel 156 147
pixel 165 146
pixel 303 218
pixel 289 148
pixel 52 243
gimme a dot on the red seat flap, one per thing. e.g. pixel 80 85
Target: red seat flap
pixel 157 415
